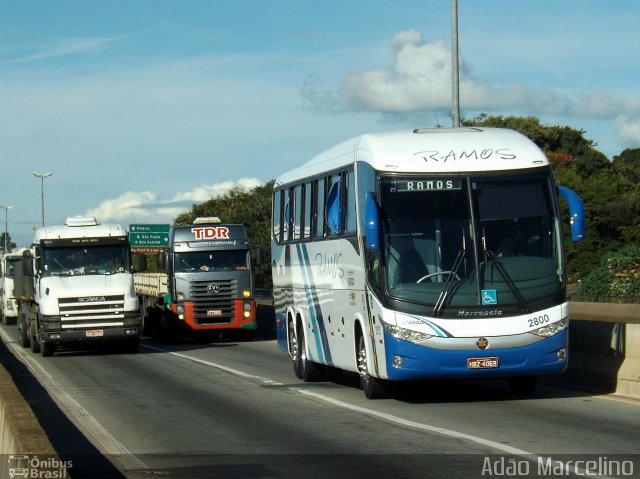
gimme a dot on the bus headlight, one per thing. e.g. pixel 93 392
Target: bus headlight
pixel 180 311
pixel 180 296
pixel 246 310
pixel 553 328
pixel 405 334
pixel 246 293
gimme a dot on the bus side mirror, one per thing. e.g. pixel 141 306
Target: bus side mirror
pixel 576 213
pixel 371 223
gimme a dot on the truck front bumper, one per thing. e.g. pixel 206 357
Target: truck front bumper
pixel 97 335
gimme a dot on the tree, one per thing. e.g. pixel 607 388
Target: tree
pixel 10 244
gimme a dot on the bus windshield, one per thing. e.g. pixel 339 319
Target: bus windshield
pixel 471 240
pixel 85 260
pixel 227 260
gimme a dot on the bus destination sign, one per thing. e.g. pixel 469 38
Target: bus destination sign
pixel 427 184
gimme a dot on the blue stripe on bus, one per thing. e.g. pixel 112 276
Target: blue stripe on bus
pixel 319 330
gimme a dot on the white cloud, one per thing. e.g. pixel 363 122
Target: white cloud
pixel 65 47
pixel 147 207
pixel 419 84
pixel 629 131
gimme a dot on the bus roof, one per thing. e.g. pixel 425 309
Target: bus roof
pixel 429 150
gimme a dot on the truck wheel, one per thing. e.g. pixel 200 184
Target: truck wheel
pixel 23 330
pixel 33 339
pixel 47 349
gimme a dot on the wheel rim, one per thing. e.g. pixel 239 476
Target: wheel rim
pixel 362 361
pixel 293 343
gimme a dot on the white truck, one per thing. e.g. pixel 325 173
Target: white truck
pixel 82 288
pixel 9 311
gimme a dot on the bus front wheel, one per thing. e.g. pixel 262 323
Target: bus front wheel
pixel 373 388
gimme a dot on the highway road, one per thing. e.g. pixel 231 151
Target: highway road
pixel 233 409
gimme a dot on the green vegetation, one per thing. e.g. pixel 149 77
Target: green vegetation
pixel 605 265
pixel 611 196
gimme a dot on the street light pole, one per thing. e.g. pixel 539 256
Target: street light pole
pixel 6 227
pixel 455 67
pixel 42 177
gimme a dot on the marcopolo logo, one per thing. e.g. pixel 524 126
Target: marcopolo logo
pixel 38 467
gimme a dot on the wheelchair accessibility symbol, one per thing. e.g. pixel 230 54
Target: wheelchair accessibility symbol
pixel 489 296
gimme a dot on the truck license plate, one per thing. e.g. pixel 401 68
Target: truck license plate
pixel 95 333
pixel 482 363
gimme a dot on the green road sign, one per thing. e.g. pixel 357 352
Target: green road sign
pixel 149 236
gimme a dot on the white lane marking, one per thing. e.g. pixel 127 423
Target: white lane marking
pixel 83 420
pixel 380 415
pixel 529 456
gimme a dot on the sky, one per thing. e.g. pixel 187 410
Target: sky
pixel 142 108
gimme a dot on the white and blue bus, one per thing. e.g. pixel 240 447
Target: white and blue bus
pixel 432 253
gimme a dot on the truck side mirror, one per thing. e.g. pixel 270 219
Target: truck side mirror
pixel 258 256
pixel 576 213
pixel 371 223
pixel 161 261
pixel 141 262
pixel 27 264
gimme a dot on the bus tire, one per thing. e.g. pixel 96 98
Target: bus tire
pixel 374 388
pixel 303 368
pixel 523 385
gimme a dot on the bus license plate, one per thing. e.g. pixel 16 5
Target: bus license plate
pixel 214 313
pixel 482 363
pixel 95 333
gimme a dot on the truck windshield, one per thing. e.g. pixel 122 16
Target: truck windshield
pixel 84 260
pixel 471 240
pixel 227 260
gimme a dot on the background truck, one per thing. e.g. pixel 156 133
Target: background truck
pixel 82 288
pixel 9 311
pixel 206 286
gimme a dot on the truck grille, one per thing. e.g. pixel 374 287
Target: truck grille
pixel 211 307
pixel 91 312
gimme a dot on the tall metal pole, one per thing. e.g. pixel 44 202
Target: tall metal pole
pixel 6 227
pixel 42 177
pixel 455 68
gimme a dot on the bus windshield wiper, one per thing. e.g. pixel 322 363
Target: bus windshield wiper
pixel 453 274
pixel 522 303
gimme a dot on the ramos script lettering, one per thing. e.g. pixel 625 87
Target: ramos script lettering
pixel 453 155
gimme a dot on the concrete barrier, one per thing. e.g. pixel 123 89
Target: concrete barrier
pixel 21 435
pixel 604 348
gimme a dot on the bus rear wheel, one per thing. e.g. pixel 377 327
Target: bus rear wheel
pixel 373 388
